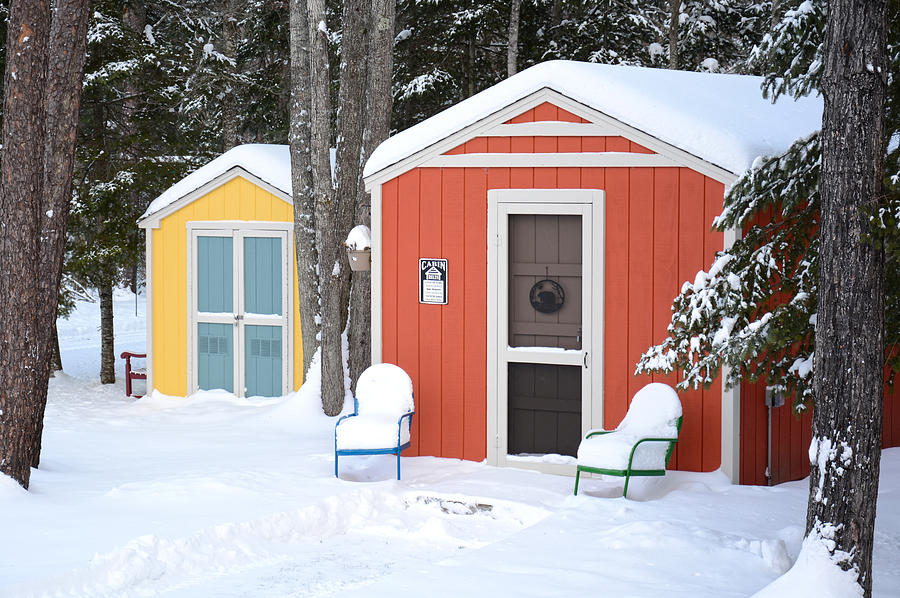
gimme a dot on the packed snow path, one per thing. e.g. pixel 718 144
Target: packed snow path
pixel 213 496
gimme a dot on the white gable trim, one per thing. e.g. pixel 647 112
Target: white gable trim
pixel 555 159
pixel 613 126
pixel 153 220
pixel 550 129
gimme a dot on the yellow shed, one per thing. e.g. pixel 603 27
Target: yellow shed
pixel 222 301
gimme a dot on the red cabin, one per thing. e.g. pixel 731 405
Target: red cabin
pixel 526 247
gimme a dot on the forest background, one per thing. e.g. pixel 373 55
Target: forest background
pixel 170 85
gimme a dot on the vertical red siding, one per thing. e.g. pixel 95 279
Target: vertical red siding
pixel 524 145
pixel 568 144
pixel 666 283
pixel 389 252
pixel 428 404
pixel 452 357
pixel 475 333
pixel 525 117
pixel 617 144
pixel 544 178
pixel 616 374
pixel 479 145
pixel 545 111
pixel 545 144
pixel 499 144
pixel 565 115
pixel 691 229
pixel 593 144
pixel 568 178
pixel 407 276
pixel 791 435
pixel 640 270
pixel 753 433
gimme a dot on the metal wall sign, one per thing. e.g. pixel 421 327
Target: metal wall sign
pixel 433 281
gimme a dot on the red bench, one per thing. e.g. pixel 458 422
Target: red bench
pixel 132 373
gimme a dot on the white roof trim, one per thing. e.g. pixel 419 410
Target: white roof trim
pixel 612 126
pixel 154 219
pixel 550 129
pixel 554 159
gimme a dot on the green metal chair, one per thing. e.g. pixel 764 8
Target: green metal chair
pixel 652 424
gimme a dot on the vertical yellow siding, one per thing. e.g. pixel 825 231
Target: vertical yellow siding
pixel 238 199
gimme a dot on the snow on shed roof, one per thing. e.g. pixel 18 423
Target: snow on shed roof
pixel 271 163
pixel 722 119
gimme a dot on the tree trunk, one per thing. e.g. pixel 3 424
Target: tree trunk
pixel 68 40
pixel 335 217
pixel 107 336
pixel 55 354
pixel 848 378
pixel 21 191
pixel 320 144
pixel 675 6
pixel 229 107
pixel 379 105
pixel 556 13
pixel 470 68
pixel 302 181
pixel 512 48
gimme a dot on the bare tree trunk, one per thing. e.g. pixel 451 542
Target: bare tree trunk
pixel 55 354
pixel 229 107
pixel 320 144
pixel 470 70
pixel 675 6
pixel 379 105
pixel 21 190
pixel 107 336
pixel 512 48
pixel 776 15
pixel 556 13
pixel 846 448
pixel 334 211
pixel 68 40
pixel 302 181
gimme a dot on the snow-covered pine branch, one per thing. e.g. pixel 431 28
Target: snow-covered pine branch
pixel 754 310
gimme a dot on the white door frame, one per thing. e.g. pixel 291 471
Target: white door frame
pixel 590 204
pixel 237 230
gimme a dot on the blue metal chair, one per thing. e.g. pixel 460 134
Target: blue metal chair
pixel 383 400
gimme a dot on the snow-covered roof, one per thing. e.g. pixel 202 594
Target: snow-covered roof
pixel 270 163
pixel 722 119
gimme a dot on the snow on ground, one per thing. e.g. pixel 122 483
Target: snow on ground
pixel 213 496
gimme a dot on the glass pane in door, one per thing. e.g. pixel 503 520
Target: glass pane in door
pixel 215 275
pixel 544 409
pixel 545 284
pixel 262 275
pixel 215 356
pixel 262 362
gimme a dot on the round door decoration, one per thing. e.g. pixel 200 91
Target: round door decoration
pixel 547 296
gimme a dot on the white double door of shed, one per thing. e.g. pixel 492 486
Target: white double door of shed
pixel 240 302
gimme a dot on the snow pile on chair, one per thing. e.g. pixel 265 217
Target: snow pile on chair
pixel 653 413
pixel 384 392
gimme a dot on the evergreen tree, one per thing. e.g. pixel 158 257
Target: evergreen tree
pixel 755 309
